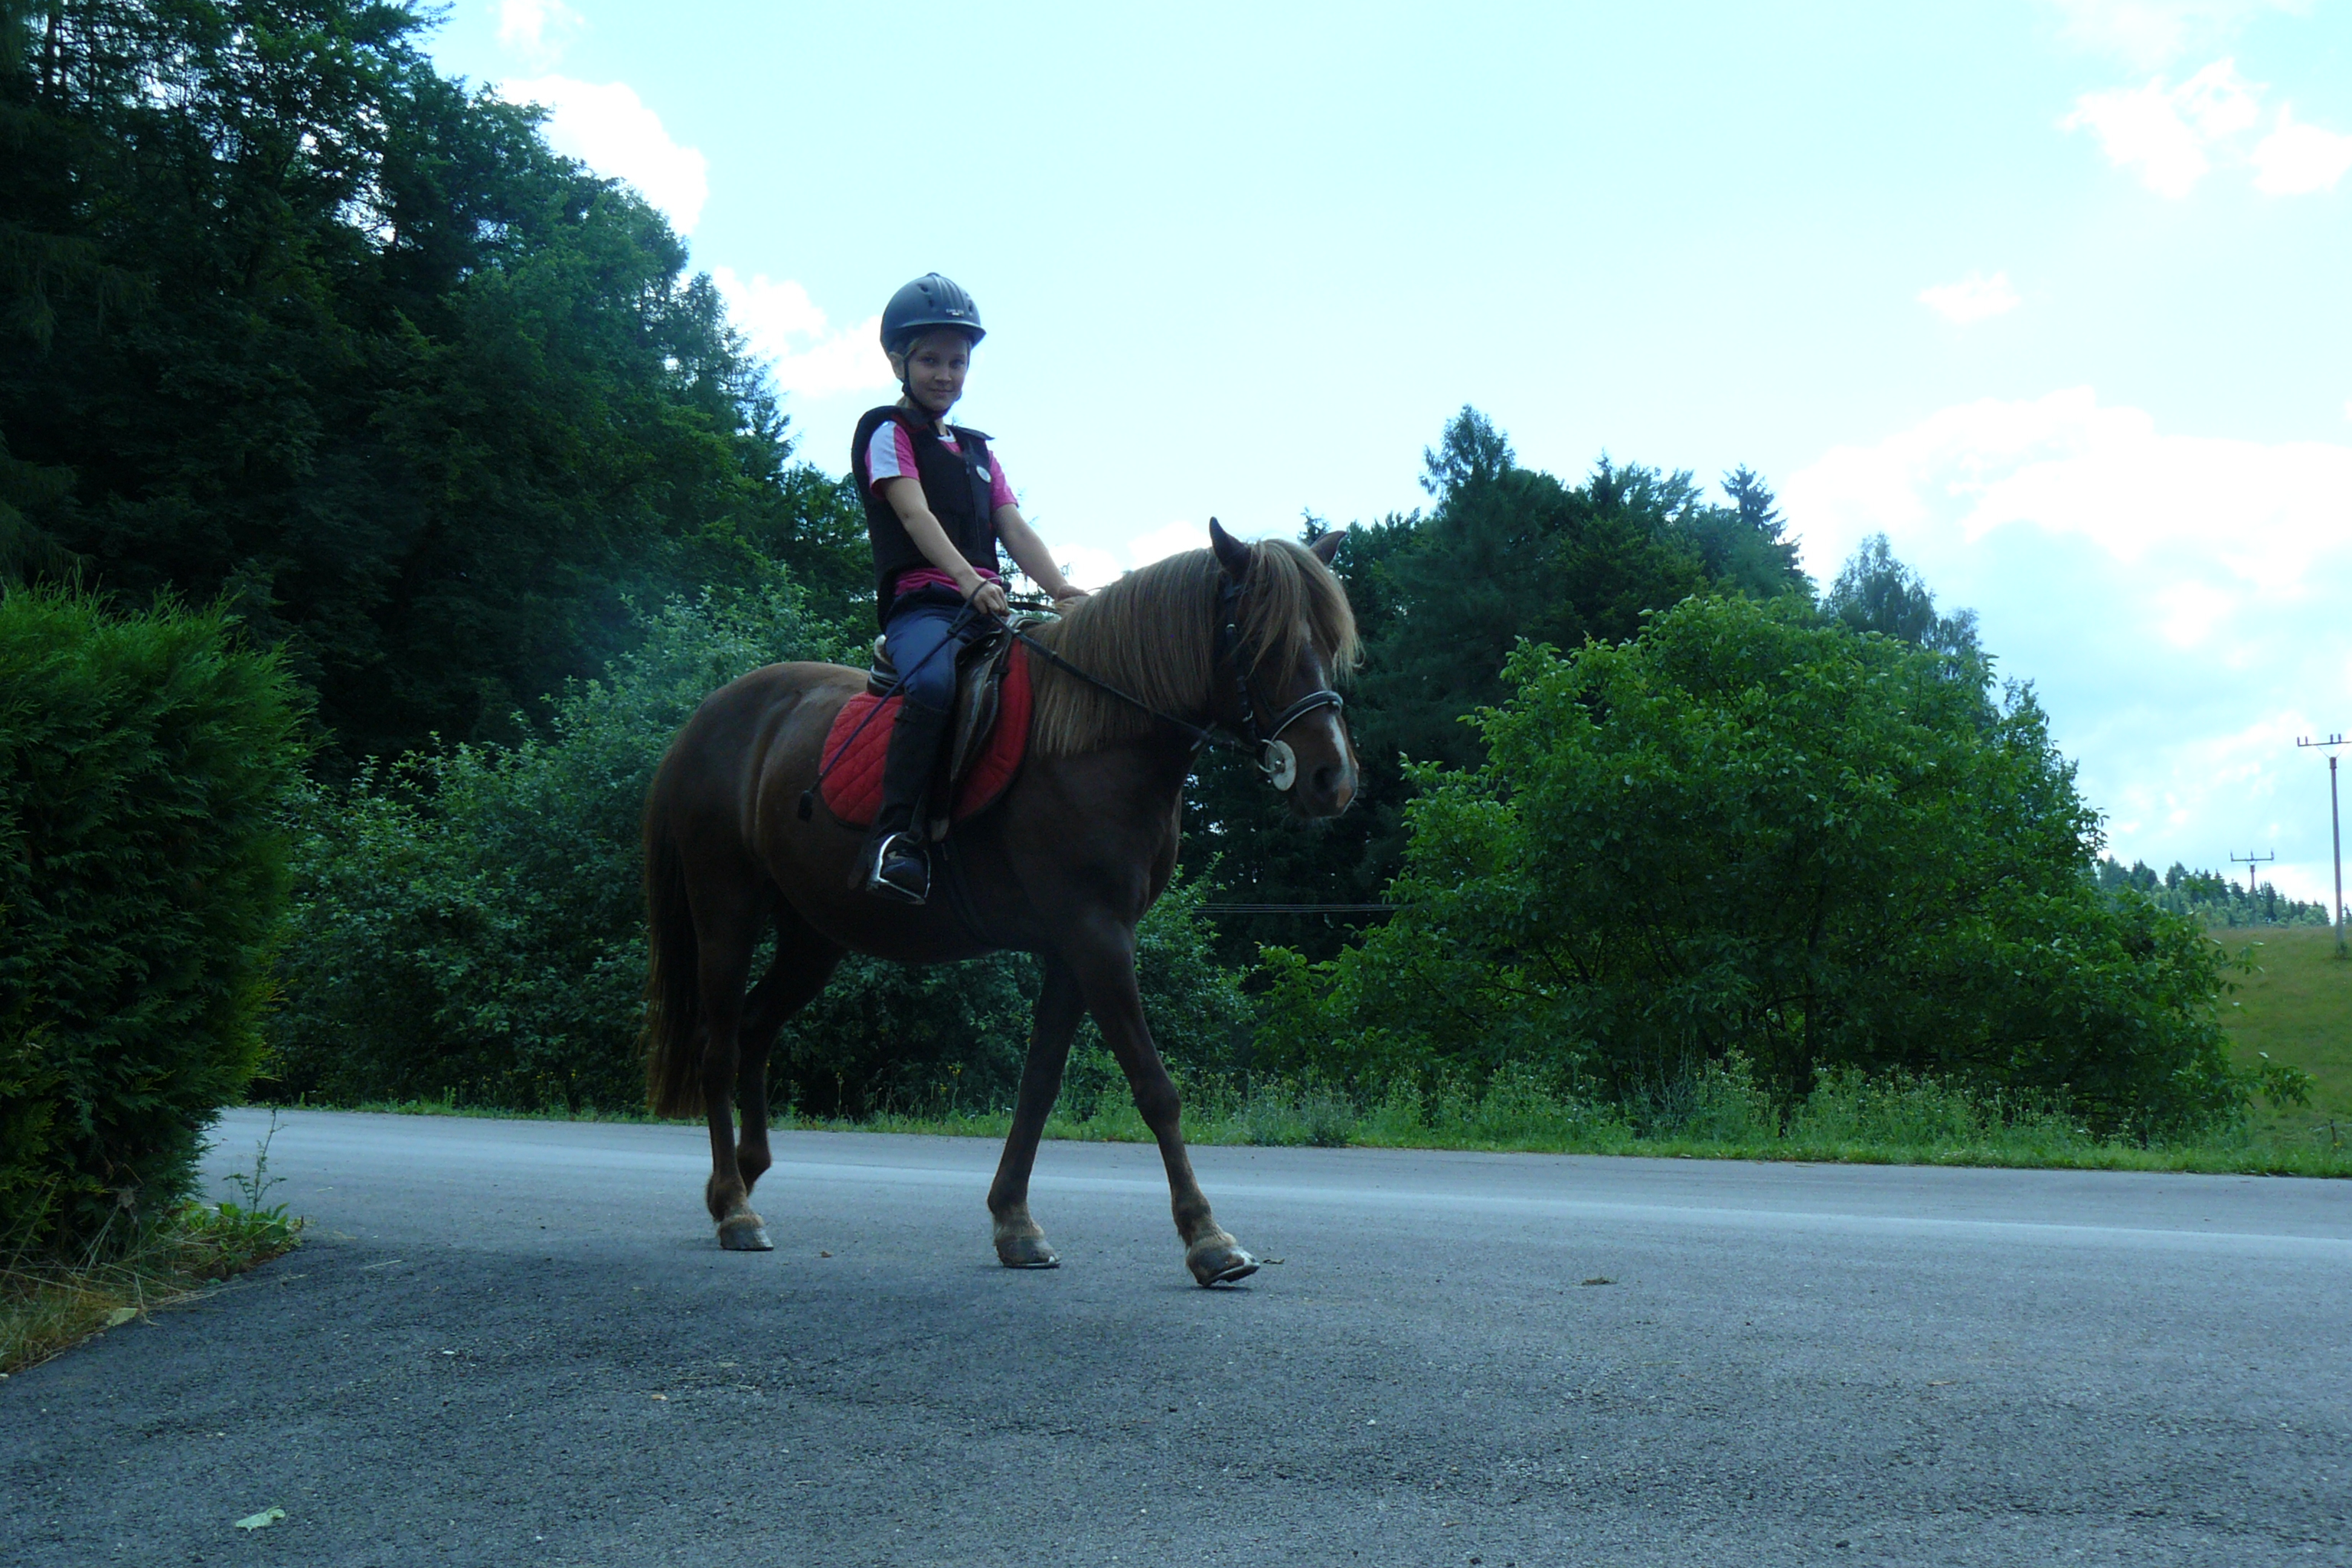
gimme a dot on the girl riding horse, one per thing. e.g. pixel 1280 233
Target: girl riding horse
pixel 937 505
pixel 1063 865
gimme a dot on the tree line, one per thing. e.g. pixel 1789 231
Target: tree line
pixel 1504 555
pixel 299 328
pixel 2209 896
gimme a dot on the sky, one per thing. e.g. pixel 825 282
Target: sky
pixel 2052 292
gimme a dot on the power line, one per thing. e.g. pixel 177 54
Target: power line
pixel 2334 824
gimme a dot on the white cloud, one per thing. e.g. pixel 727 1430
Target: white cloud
pixel 1975 298
pixel 805 354
pixel 2146 34
pixel 1088 565
pixel 607 127
pixel 2166 132
pixel 2175 599
pixel 1091 566
pixel 537 29
pixel 850 360
pixel 2296 159
pixel 2173 135
pixel 773 314
pixel 1161 542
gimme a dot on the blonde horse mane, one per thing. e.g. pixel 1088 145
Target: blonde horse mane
pixel 1152 635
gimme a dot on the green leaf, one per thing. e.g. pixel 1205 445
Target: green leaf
pixel 120 1316
pixel 262 1520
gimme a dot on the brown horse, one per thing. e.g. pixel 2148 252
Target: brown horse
pixel 1063 865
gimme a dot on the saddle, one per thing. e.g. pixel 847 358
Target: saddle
pixel 987 737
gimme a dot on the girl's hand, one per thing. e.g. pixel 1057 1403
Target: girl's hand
pixel 1067 597
pixel 987 598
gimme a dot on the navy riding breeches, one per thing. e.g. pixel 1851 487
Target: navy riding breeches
pixel 927 670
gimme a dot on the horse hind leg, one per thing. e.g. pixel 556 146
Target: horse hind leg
pixel 804 963
pixel 726 930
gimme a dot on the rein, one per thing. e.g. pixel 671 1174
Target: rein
pixel 1201 737
pixel 1274 758
pixel 1276 762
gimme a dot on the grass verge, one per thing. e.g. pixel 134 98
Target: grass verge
pixel 1718 1114
pixel 2296 1006
pixel 48 1305
pixel 1721 1114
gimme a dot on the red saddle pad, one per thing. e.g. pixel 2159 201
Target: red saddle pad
pixel 853 790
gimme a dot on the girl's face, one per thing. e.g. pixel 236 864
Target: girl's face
pixel 933 368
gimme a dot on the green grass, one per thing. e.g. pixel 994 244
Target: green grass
pixel 2297 1005
pixel 1280 1115
pixel 1720 1115
pixel 2296 1008
pixel 450 1105
pixel 1847 1120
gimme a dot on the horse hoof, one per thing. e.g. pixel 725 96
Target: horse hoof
pixel 1219 1261
pixel 744 1233
pixel 1027 1252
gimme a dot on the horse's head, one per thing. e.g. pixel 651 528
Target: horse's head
pixel 1292 636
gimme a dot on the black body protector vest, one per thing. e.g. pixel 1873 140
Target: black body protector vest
pixel 956 487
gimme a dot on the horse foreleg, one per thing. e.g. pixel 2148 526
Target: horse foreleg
pixel 1105 973
pixel 805 962
pixel 1019 1241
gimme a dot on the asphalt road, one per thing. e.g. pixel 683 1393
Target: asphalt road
pixel 516 1343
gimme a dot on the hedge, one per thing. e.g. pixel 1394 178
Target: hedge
pixel 143 759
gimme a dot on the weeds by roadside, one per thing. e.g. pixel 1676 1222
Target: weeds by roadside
pixel 450 1103
pixel 1719 1113
pixel 130 1268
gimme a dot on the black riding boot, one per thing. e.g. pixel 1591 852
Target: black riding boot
pixel 895 864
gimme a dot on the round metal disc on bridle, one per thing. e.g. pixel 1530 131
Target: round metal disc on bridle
pixel 1280 764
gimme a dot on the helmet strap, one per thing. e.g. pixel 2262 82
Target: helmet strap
pixel 915 406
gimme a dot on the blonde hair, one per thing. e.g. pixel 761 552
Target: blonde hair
pixel 1152 634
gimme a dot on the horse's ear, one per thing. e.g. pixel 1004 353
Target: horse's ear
pixel 1231 553
pixel 1326 549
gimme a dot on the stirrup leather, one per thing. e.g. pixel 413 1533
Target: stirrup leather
pixel 899 870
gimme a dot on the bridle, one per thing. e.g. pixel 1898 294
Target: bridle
pixel 1276 762
pixel 1265 746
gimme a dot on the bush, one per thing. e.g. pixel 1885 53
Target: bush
pixel 143 761
pixel 468 923
pixel 1748 831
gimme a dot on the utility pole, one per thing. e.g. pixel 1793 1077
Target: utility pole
pixel 2335 825
pixel 2250 860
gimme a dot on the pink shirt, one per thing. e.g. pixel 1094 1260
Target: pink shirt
pixel 890 454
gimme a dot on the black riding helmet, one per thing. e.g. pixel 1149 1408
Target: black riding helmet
pixel 929 301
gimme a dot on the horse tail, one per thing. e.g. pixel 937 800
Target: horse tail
pixel 673 1028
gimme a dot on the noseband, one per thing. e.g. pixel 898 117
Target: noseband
pixel 1276 762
